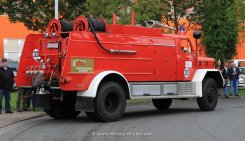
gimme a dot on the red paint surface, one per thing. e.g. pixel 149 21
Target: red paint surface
pixel 159 56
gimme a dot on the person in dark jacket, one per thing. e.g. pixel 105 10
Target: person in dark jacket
pixel 234 73
pixel 6 85
pixel 24 97
pixel 224 71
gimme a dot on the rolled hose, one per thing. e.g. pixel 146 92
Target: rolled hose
pixel 97 24
pixel 66 26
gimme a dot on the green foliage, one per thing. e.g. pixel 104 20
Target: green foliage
pixel 220 28
pixel 240 15
pixel 105 9
pixel 1 8
pixel 240 10
pixel 36 14
pixel 174 10
pixel 145 10
pixel 148 10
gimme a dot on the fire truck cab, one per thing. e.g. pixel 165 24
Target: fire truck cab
pixel 87 65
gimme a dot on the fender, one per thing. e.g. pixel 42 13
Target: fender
pixel 200 74
pixel 93 87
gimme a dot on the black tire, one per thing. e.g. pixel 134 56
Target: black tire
pixel 209 98
pixel 162 104
pixel 62 109
pixel 110 102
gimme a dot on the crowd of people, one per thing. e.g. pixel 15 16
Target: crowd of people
pixel 230 73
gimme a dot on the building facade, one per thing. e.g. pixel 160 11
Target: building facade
pixel 12 38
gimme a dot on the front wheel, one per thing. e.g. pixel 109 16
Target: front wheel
pixel 209 98
pixel 110 102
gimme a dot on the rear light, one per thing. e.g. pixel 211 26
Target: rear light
pixel 35 72
pixel 31 72
pixel 27 72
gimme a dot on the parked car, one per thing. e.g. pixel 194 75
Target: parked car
pixel 14 65
pixel 242 77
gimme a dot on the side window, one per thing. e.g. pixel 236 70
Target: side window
pixel 186 47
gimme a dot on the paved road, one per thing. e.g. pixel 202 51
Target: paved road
pixel 183 122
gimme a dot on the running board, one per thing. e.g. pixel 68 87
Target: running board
pixel 163 89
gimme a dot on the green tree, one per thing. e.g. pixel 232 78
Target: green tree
pixel 145 10
pixel 220 28
pixel 175 10
pixel 35 14
pixel 105 9
pixel 148 10
pixel 1 8
pixel 240 14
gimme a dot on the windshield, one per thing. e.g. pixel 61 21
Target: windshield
pixel 186 47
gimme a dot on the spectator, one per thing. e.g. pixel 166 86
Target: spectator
pixel 224 71
pixel 234 73
pixel 19 100
pixel 24 96
pixel 218 64
pixel 27 99
pixel 6 85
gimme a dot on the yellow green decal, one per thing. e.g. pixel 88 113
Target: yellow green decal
pixel 82 65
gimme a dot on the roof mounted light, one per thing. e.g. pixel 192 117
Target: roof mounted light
pixel 182 29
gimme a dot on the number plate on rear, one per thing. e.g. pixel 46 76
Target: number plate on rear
pixel 52 45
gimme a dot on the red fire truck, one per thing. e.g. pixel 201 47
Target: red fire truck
pixel 87 65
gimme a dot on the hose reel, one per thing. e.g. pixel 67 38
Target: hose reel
pixel 63 27
pixel 82 24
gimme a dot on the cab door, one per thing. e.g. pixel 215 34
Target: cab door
pixel 186 60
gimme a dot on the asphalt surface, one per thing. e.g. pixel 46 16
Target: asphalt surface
pixel 183 122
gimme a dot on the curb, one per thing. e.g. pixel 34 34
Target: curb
pixel 20 120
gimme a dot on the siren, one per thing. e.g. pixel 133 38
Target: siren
pixel 182 30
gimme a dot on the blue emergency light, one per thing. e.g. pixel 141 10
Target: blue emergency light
pixel 181 29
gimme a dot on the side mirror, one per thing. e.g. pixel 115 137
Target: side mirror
pixel 197 34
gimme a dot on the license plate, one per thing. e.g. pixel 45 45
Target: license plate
pixel 52 45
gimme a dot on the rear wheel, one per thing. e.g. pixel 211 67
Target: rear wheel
pixel 110 102
pixel 63 109
pixel 209 98
pixel 162 104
